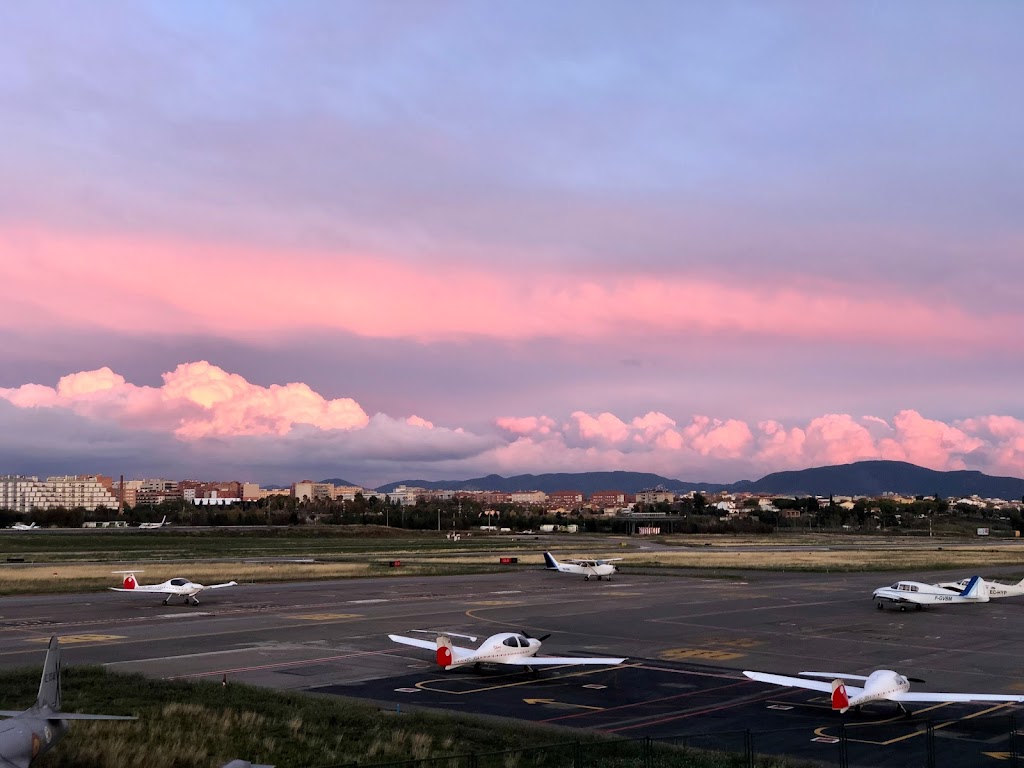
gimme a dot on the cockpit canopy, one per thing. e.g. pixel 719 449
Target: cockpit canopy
pixel 515 641
pixel 904 587
pixel 179 582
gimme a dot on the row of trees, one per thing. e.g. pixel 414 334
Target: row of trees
pixel 692 514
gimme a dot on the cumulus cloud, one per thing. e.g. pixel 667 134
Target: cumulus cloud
pixel 205 419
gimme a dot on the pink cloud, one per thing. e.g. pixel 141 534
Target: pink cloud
pixel 149 286
pixel 196 400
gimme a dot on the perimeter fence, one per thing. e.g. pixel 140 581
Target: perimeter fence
pixel 902 742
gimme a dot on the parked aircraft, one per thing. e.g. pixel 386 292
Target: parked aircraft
pixel 916 593
pixel 880 685
pixel 602 569
pixel 172 587
pixel 32 732
pixel 161 524
pixel 23 527
pixel 512 648
pixel 995 588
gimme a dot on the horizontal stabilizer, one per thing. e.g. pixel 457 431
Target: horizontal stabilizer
pixel 833 675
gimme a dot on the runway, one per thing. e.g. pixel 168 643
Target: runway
pixel 686 638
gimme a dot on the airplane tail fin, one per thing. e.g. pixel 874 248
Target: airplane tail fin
pixel 840 700
pixel 129 581
pixel 49 683
pixel 976 589
pixel 549 561
pixel 444 650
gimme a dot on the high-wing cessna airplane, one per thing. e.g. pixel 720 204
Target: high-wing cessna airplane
pixel 515 649
pixel 161 524
pixel 995 588
pixel 602 569
pixel 172 587
pixel 34 731
pixel 23 527
pixel 880 685
pixel 916 593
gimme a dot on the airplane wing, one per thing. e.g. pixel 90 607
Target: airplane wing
pixel 535 661
pixel 833 675
pixel 430 645
pixel 218 586
pixel 611 560
pixel 802 682
pixel 11 712
pixel 947 697
pixel 141 588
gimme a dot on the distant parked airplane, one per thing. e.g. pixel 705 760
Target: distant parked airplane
pixel 161 524
pixel 602 569
pixel 32 732
pixel 919 594
pixel 23 527
pixel 880 685
pixel 995 588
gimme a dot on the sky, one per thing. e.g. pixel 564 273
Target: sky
pixel 269 241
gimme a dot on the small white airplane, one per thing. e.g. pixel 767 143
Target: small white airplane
pixel 517 649
pixel 172 587
pixel 995 588
pixel 23 527
pixel 161 524
pixel 880 685
pixel 602 569
pixel 916 593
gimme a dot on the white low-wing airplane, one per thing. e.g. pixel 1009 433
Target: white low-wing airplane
pixel 917 593
pixel 602 569
pixel 995 588
pixel 23 527
pixel 172 587
pixel 880 685
pixel 161 524
pixel 514 648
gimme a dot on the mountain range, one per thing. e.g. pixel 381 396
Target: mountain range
pixel 862 478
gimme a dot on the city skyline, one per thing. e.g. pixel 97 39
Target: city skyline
pixel 408 241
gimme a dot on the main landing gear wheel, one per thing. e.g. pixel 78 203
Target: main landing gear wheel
pixel 586 578
pixel 880 606
pixel 903 608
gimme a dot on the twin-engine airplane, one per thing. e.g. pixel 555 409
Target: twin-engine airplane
pixel 995 588
pixel 176 587
pixel 32 732
pixel 916 593
pixel 515 649
pixel 880 685
pixel 161 524
pixel 602 569
pixel 23 527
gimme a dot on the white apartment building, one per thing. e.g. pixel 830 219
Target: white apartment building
pixel 528 497
pixel 23 494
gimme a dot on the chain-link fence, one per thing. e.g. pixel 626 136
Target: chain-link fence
pixel 897 743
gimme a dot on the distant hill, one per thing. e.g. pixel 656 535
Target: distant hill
pixel 872 478
pixel 338 481
pixel 862 478
pixel 586 482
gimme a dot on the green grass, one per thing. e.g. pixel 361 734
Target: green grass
pixel 201 725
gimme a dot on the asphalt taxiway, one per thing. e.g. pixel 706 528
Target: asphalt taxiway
pixel 687 640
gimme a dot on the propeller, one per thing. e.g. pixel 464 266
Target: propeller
pixel 527 635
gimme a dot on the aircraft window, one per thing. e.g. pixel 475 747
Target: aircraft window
pixel 511 642
pixel 178 582
pixel 913 589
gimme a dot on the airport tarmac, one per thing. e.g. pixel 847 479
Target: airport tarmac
pixel 687 639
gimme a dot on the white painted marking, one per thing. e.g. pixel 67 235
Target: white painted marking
pixel 507 592
pixel 407 690
pixel 595 686
pixel 783 707
pixel 365 602
pixel 180 615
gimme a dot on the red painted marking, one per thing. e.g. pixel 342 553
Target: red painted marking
pixel 444 656
pixel 129 581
